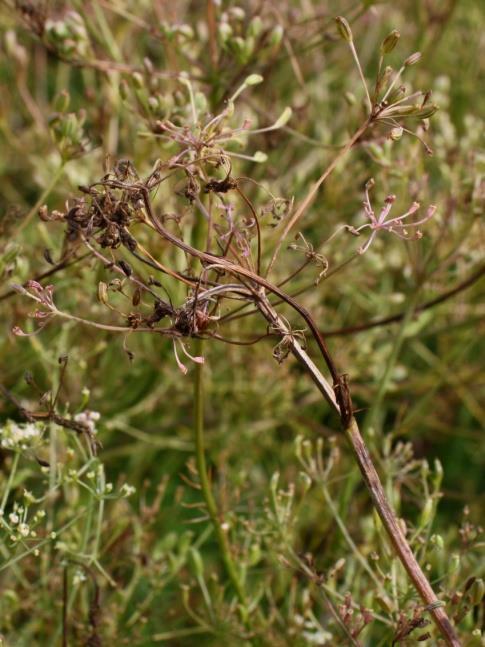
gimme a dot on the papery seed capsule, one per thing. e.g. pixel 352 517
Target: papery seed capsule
pixel 103 293
pixel 412 60
pixel 344 28
pixel 390 42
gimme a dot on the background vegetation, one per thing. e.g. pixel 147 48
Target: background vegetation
pixel 118 546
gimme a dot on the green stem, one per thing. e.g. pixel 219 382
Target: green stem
pixel 11 477
pixel 55 178
pixel 374 415
pixel 205 485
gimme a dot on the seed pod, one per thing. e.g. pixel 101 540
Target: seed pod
pixel 103 293
pixel 477 591
pixel 412 60
pixel 126 267
pixel 195 561
pixel 253 79
pixel 136 297
pixel 61 102
pixel 276 36
pixel 437 541
pixel 255 27
pixel 426 512
pixel 427 111
pixel 123 90
pixel 138 80
pixel 390 42
pixel 344 28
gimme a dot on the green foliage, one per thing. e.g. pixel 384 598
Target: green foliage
pixel 118 522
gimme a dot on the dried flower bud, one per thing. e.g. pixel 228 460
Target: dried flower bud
pixel 390 42
pixel 412 60
pixel 344 28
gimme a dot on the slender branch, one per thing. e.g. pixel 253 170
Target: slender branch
pixel 205 485
pixel 342 406
pixel 313 191
pixel 464 285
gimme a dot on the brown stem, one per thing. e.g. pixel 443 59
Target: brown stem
pixel 342 406
pixel 397 536
pixel 338 398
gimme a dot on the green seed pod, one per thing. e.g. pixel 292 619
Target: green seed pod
pixel 62 101
pixel 255 27
pixel 385 603
pixel 154 105
pixel 344 28
pixel 138 80
pixel 185 31
pixel 390 42
pixel 396 95
pixel 225 32
pixel 454 563
pixel 237 13
pixel 477 591
pixel 438 475
pixel 383 79
pixel 255 554
pixel 195 562
pixel 253 79
pixel 437 541
pixel 426 512
pixel 276 36
pixel 305 480
pixel 427 111
pixel 350 98
pixel 123 90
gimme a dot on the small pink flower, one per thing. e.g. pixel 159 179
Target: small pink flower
pixel 395 226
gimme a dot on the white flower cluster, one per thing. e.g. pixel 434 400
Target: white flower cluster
pixel 88 418
pixel 20 436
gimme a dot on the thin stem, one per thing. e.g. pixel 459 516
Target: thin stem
pixel 55 178
pixel 11 476
pixel 374 412
pixel 375 488
pixel 397 536
pixel 205 485
pixel 314 189
pixel 361 74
